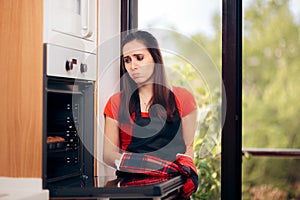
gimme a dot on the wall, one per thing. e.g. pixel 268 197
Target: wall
pixel 108 61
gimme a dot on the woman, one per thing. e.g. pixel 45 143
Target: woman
pixel 149 127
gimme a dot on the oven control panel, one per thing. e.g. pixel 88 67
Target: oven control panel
pixel 70 63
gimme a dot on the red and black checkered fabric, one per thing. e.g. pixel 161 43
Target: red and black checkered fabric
pixel 142 181
pixel 156 167
pixel 148 165
pixel 190 171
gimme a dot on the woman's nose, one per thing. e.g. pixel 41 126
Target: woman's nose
pixel 134 64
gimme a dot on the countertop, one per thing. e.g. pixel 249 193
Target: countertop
pixel 22 189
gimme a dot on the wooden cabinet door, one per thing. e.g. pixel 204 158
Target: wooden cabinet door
pixel 21 87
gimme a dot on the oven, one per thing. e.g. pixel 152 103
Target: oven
pixel 68 117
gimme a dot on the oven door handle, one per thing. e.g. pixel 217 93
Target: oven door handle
pixel 63 91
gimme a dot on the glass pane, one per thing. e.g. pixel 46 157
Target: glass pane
pixel 189 34
pixel 271 178
pixel 271 106
pixel 271 75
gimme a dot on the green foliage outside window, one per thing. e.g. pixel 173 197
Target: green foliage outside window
pixel 271 78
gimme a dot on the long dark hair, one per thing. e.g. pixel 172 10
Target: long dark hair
pixel 129 89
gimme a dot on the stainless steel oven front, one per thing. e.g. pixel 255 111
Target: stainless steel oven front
pixel 68 128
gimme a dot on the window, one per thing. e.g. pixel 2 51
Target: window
pixel 271 109
pixel 189 34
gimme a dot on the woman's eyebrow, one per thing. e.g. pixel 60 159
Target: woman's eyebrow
pixel 138 54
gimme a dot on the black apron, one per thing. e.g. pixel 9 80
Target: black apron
pixel 156 136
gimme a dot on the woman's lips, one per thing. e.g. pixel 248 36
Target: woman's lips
pixel 135 75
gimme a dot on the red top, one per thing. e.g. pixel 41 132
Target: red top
pixel 185 102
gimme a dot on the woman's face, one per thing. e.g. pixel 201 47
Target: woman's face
pixel 138 62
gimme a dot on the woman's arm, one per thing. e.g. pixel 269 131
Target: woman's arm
pixel 111 142
pixel 188 129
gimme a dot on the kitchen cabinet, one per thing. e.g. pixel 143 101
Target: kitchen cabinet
pixel 21 83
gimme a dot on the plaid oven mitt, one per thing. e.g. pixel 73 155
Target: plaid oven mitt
pixel 141 181
pixel 189 169
pixel 147 165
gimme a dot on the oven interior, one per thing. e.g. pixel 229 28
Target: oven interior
pixel 68 129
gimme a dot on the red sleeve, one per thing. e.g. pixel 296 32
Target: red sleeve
pixel 112 106
pixel 185 101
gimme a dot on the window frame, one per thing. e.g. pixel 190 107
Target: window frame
pixel 231 141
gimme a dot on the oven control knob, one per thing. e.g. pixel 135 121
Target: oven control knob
pixel 69 65
pixel 83 67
